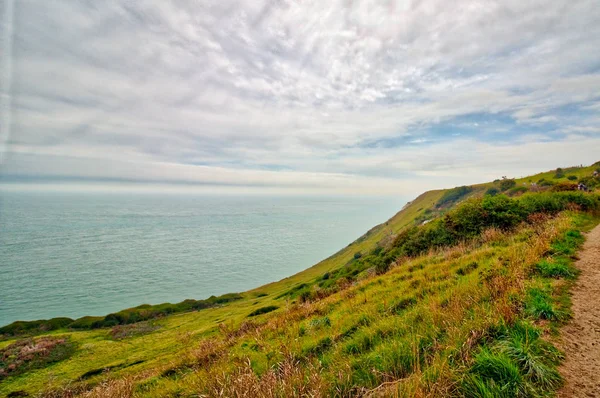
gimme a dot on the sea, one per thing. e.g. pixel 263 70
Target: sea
pixel 88 253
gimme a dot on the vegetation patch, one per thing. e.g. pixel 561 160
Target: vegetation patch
pixel 95 372
pixel 517 363
pixel 539 305
pixel 27 354
pixel 120 332
pixel 318 348
pixel 40 326
pixel 467 269
pixel 559 268
pixel 516 191
pixel 453 195
pixel 507 183
pixel 493 191
pixel 403 304
pixel 263 310
pixel 131 315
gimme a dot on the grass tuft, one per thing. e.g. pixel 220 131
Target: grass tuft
pixel 558 268
pixel 539 305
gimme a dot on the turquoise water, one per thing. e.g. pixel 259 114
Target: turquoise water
pixel 82 254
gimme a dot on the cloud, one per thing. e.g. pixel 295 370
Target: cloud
pixel 369 96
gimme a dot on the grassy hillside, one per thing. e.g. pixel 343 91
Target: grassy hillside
pixel 454 295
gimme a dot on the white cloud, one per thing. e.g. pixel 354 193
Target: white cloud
pixel 295 93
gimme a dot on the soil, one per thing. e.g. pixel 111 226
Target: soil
pixel 581 336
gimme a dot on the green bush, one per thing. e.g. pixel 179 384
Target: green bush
pixel 514 191
pixel 305 295
pixel 507 184
pixel 263 310
pixel 492 191
pixel 25 327
pixel 572 178
pixel 453 195
pixel 590 182
pixel 559 173
pixel 473 216
pixel 564 186
pixel 502 212
pixel 128 316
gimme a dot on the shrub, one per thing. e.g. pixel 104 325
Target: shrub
pixel 28 354
pixel 564 186
pixel 507 183
pixel 554 202
pixel 305 295
pixel 502 212
pixel 572 178
pixel 514 191
pixel 590 182
pixel 492 191
pixel 23 327
pixel 468 219
pixel 559 173
pixel 128 316
pixel 453 195
pixel 473 216
pixel 357 255
pixel 263 310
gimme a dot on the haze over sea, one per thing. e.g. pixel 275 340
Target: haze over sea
pixel 75 254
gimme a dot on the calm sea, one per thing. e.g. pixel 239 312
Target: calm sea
pixel 81 254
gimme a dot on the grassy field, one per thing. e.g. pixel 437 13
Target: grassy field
pixel 473 318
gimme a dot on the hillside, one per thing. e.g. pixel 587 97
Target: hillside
pixel 460 293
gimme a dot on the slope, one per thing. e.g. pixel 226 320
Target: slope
pixel 164 351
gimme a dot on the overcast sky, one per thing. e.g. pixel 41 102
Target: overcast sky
pixel 377 97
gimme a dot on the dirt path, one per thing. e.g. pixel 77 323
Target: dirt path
pixel 581 336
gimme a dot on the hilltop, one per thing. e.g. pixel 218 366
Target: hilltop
pixel 460 293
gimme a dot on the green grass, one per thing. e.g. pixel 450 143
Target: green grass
pixel 539 305
pixel 466 317
pixel 555 269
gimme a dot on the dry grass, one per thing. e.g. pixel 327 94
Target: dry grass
pixel 119 388
pixel 287 379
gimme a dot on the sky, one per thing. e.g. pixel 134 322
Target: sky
pixel 345 97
